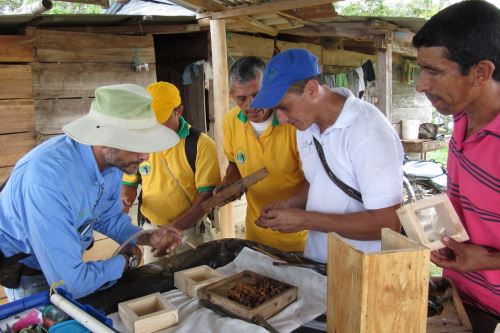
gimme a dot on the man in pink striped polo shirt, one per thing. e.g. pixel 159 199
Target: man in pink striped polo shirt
pixel 458 51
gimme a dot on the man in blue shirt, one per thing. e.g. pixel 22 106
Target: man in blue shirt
pixel 69 186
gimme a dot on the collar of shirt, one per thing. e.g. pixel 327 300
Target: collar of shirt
pixel 183 131
pixel 460 128
pixel 346 117
pixel 90 162
pixel 243 117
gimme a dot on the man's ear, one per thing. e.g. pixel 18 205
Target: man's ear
pixel 483 72
pixel 179 110
pixel 311 89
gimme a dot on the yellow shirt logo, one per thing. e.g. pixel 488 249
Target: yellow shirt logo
pixel 241 157
pixel 145 168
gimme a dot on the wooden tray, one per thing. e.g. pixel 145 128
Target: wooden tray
pixel 217 293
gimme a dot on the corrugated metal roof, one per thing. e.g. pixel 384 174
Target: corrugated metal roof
pixel 13 21
pixel 149 7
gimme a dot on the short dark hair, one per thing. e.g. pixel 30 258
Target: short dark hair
pixel 470 32
pixel 298 86
pixel 245 70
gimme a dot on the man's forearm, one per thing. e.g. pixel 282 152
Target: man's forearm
pixel 361 226
pixel 299 199
pixel 232 174
pixel 194 213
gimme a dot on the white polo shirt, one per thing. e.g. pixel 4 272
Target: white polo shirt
pixel 364 151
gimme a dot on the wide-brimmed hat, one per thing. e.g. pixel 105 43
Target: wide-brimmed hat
pixel 121 117
pixel 166 97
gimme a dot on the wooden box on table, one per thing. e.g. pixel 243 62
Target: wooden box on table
pixel 382 291
pixel 428 220
pixel 148 314
pixel 192 280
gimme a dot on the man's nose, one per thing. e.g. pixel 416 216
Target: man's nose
pixel 422 83
pixel 143 156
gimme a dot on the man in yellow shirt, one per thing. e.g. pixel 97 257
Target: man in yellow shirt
pixel 176 181
pixel 254 139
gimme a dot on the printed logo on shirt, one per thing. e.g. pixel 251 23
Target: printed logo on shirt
pixel 306 145
pixel 145 168
pixel 241 157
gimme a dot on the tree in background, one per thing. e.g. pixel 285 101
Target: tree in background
pixel 8 6
pixel 401 8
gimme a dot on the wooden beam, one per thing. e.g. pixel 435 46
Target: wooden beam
pixel 200 5
pixel 259 26
pixel 273 6
pixel 134 29
pixel 4 173
pixel 221 103
pixel 384 75
pixel 336 31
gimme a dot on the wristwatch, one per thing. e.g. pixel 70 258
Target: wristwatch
pixel 132 261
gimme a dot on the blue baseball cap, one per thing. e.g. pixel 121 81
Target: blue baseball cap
pixel 282 70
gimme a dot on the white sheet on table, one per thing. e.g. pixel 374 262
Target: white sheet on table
pixel 310 303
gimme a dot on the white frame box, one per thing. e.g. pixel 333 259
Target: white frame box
pixel 428 220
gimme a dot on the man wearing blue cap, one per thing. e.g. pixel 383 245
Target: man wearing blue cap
pixel 351 156
pixel 69 186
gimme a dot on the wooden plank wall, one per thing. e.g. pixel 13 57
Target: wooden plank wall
pixel 69 66
pixel 17 118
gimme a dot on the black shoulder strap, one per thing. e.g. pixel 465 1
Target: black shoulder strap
pixel 191 146
pixel 343 186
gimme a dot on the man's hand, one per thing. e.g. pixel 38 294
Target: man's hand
pixel 128 195
pixel 282 219
pixel 129 251
pixel 464 257
pixel 164 240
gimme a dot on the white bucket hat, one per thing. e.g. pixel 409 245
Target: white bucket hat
pixel 121 117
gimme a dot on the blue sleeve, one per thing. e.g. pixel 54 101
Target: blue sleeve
pixel 113 222
pixel 57 244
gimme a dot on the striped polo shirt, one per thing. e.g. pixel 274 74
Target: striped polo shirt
pixel 474 190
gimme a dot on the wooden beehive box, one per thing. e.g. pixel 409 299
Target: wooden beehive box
pixel 428 220
pixel 191 281
pixel 219 292
pixel 383 291
pixel 148 314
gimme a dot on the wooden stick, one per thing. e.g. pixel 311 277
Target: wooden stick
pixel 229 193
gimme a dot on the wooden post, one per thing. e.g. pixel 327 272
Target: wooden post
pixel 221 106
pixel 377 292
pixel 383 44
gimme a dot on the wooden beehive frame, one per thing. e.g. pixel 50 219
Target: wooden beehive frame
pixel 383 291
pixel 191 281
pixel 148 314
pixel 420 229
pixel 221 198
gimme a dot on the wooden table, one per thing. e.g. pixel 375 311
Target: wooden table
pixel 423 146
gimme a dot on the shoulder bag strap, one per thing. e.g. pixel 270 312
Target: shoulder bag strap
pixel 356 195
pixel 191 146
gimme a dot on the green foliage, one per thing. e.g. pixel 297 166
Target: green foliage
pixel 7 6
pixel 413 8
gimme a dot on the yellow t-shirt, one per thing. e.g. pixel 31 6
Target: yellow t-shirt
pixel 276 150
pixel 162 200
